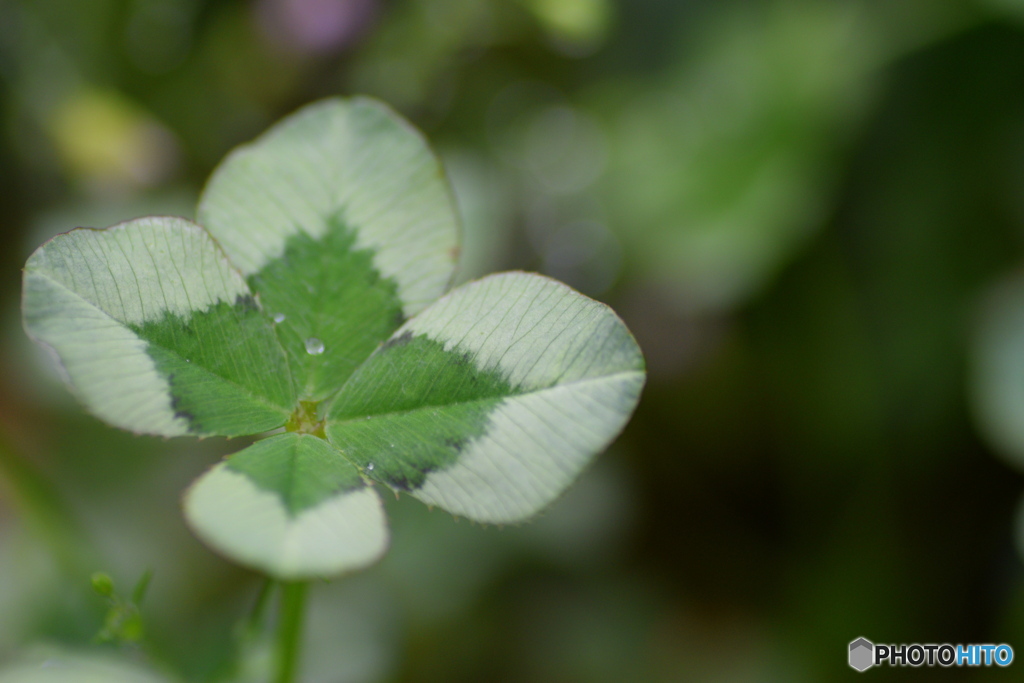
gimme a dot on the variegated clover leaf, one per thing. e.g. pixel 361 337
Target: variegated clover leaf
pixel 311 296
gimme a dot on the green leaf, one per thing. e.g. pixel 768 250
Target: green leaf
pixel 292 506
pixel 490 402
pixel 341 219
pixel 155 331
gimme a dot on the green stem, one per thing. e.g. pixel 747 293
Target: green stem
pixel 289 630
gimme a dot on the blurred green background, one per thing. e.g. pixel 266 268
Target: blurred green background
pixel 810 213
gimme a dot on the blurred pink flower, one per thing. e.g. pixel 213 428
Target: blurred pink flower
pixel 315 26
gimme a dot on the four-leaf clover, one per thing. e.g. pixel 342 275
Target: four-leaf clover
pixel 311 296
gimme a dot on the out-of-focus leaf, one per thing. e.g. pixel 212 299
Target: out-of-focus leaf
pixel 719 176
pixel 57 666
pixel 997 378
pixel 110 143
pixel 579 23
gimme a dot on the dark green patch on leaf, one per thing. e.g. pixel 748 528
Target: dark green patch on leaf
pixel 227 372
pixel 302 469
pixel 336 306
pixel 411 408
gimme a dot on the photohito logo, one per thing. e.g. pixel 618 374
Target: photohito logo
pixel 864 654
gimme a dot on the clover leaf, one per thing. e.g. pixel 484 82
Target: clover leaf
pixel 311 296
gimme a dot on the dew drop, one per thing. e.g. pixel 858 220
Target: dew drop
pixel 279 317
pixel 314 346
pixel 369 467
pixel 188 360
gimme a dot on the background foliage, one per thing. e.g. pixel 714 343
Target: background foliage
pixel 802 208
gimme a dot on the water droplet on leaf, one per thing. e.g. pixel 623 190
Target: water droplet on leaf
pixel 279 317
pixel 314 346
pixel 369 467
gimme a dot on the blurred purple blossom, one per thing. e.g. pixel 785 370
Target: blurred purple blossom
pixel 315 26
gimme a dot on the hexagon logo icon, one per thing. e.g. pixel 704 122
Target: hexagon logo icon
pixel 862 654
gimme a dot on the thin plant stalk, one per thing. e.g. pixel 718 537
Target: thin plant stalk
pixel 289 630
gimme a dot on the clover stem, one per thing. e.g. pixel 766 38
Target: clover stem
pixel 289 630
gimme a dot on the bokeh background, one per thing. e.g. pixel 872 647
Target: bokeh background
pixel 810 213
